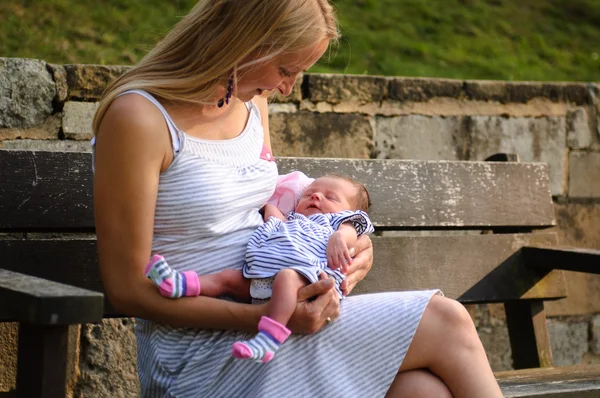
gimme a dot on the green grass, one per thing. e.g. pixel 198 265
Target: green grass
pixel 465 39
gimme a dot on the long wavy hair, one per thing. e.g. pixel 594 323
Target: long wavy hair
pixel 197 57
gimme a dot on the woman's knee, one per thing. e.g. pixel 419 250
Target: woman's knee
pixel 452 317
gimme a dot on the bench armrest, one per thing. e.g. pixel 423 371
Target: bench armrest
pixel 565 258
pixel 39 301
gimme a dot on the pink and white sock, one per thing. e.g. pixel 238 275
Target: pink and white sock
pixel 171 283
pixel 262 347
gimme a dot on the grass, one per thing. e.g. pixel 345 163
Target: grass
pixel 465 39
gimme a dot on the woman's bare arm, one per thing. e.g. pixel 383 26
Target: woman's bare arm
pixel 132 149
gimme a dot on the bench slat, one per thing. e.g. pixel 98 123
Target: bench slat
pixel 53 191
pixel 39 301
pixel 471 268
pixel 413 194
pixel 577 381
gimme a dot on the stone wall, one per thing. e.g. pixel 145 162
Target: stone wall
pixel 49 107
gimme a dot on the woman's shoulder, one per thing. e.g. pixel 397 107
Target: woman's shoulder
pixel 134 122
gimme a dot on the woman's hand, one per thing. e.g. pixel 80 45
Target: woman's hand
pixel 311 315
pixel 360 265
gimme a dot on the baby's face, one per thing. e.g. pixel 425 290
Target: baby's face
pixel 327 195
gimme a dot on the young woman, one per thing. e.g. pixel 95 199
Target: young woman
pixel 179 171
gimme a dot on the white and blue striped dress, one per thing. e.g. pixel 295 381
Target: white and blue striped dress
pixel 299 244
pixel 206 211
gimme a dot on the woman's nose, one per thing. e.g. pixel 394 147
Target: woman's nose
pixel 286 88
pixel 287 85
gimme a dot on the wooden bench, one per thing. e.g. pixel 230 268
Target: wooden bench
pixel 486 241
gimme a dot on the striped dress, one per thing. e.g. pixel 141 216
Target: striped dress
pixel 206 211
pixel 299 244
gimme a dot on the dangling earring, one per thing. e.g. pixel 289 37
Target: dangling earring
pixel 227 94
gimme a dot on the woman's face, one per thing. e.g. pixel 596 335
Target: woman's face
pixel 278 73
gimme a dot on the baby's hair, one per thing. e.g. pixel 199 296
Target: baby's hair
pixel 362 200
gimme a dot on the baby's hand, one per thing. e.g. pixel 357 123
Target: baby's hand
pixel 338 255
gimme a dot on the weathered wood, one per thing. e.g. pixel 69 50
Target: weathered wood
pixel 53 191
pixel 42 361
pixel 410 194
pixel 39 301
pixel 45 190
pixel 491 272
pixel 470 268
pixel 565 258
pixel 579 381
pixel 528 334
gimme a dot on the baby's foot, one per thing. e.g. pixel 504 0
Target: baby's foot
pixel 262 347
pixel 171 283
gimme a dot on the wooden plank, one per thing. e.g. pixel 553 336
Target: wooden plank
pixel 70 261
pixel 470 268
pixel 565 258
pixel 42 361
pixel 45 190
pixel 53 191
pixel 39 301
pixel 528 334
pixel 414 194
pixel 578 381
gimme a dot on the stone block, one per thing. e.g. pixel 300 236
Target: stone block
pixel 577 226
pixel 26 93
pixel 48 130
pixel 108 360
pixel 60 79
pixel 533 139
pixel 77 120
pixel 419 137
pixel 87 82
pixel 568 341
pixel 423 89
pixel 321 135
pixel 334 88
pixel 579 134
pixel 523 92
pixel 584 174
pixel 36 145
pixel 595 340
pixel 282 108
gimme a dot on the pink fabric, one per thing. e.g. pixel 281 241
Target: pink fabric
pixel 266 154
pixel 274 328
pixel 154 259
pixel 289 190
pixel 166 288
pixel 192 284
pixel 241 351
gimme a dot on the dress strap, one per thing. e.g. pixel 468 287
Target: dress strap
pixel 173 130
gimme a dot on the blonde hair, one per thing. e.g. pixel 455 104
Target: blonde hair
pixel 197 57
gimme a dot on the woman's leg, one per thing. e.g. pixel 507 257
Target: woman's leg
pixel 418 383
pixel 446 343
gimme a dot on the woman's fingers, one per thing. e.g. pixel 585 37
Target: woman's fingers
pixel 360 265
pixel 315 289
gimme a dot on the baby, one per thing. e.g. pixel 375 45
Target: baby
pixel 288 252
